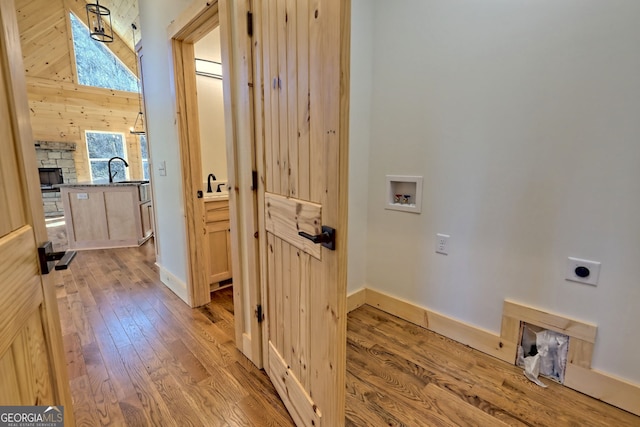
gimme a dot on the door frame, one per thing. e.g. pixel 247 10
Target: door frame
pixel 197 20
pixel 21 124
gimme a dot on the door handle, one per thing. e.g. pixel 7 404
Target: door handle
pixel 47 257
pixel 327 238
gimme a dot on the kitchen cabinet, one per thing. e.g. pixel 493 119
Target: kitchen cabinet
pixel 217 242
pixel 146 215
pixel 111 215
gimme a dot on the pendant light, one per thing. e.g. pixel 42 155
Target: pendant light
pixel 137 129
pixel 97 17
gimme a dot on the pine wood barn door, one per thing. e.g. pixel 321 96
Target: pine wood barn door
pixel 32 365
pixel 302 61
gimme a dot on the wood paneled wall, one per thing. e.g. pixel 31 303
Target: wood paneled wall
pixel 45 38
pixel 61 109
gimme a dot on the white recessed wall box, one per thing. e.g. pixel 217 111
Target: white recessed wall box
pixel 404 193
pixel 583 271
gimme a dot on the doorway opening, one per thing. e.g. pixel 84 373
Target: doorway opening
pixel 213 157
pixel 217 222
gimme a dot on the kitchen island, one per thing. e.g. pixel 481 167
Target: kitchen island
pixel 107 215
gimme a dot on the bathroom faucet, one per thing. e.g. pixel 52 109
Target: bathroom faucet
pixel 209 178
pixel 126 165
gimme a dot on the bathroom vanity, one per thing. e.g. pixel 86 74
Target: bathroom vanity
pixel 109 215
pixel 218 239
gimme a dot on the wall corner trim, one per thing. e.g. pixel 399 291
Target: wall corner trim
pixel 356 299
pixel 246 349
pixel 176 285
pixel 555 322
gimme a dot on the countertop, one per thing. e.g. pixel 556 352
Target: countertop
pixel 102 184
pixel 216 196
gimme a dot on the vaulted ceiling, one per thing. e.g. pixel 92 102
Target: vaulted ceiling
pixel 45 35
pixel 61 108
pixel 123 14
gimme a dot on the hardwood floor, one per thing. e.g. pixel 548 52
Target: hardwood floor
pixel 138 356
pixel 399 374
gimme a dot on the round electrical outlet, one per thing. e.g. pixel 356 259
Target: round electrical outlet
pixel 582 271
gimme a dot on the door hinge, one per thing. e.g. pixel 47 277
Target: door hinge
pixel 250 24
pixel 259 313
pixel 254 180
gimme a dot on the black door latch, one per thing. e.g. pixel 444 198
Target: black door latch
pixel 47 258
pixel 327 238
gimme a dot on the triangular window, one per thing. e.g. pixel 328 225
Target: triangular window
pixel 96 64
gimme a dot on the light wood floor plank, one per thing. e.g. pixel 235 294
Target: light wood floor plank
pixel 141 357
pixel 84 407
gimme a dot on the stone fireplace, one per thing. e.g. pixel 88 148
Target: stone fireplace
pixel 56 155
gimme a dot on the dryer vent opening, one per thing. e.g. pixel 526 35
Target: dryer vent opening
pixel 551 347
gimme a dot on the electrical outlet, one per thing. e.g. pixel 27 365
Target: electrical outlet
pixel 442 244
pixel 583 271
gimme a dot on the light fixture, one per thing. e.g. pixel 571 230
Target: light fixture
pixel 208 68
pixel 97 17
pixel 137 129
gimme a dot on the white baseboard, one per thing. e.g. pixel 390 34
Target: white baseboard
pixel 172 282
pixel 614 391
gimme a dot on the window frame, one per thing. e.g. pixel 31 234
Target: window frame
pixel 100 159
pixel 146 172
pixel 72 15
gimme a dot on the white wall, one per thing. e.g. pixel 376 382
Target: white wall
pixel 359 136
pixel 211 111
pixel 523 117
pixel 155 16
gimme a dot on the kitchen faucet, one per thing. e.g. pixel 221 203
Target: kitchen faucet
pixel 209 178
pixel 126 165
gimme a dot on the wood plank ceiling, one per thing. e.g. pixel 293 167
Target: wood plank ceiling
pixel 46 38
pixel 123 14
